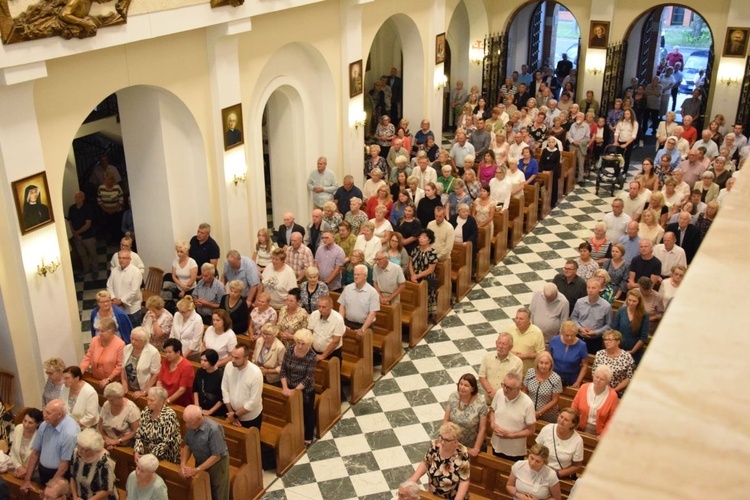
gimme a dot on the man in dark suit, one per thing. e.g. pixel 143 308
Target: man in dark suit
pixel 284 235
pixel 688 236
pixel 397 92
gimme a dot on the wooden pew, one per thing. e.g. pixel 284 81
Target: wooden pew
pixel 545 199
pixel 461 266
pixel 560 182
pixel 500 224
pixel 386 336
pixel 414 311
pixel 327 394
pixel 356 365
pixel 489 475
pixel 531 206
pixel 14 487
pixel 515 221
pixel 283 427
pixel 443 274
pixel 484 242
pixel 179 488
pixel 570 169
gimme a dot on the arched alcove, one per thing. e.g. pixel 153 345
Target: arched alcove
pixel 296 88
pixel 398 44
pixel 468 25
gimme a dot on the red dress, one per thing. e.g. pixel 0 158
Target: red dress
pixel 182 376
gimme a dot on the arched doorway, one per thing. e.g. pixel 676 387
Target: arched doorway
pixel 656 33
pixel 397 45
pixel 291 122
pixel 154 141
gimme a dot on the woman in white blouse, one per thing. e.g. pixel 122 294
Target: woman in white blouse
pixel 23 437
pixel 368 243
pixel 626 133
pixel 141 363
pixel 500 188
pixel 516 177
pixel 187 327
pixel 564 443
pixel 81 398
pixel 533 478
pixel 184 269
pixel 220 337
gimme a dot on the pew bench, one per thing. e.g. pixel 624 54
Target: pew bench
pixel 461 266
pixel 386 336
pixel 283 427
pixel 489 476
pixel 570 170
pixel 179 488
pixel 499 242
pixel 327 394
pixel 484 242
pixel 356 364
pixel 531 206
pixel 414 311
pixel 515 221
pixel 545 180
pixel 444 290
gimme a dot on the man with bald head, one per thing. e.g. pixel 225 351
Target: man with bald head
pixel 497 364
pixel 689 132
pixel 204 439
pixel 315 230
pixel 388 279
pixel 53 445
pixel 284 234
pixel 687 235
pixel 81 217
pixel 692 168
pixel 644 264
pixel 712 150
pixel 549 309
pixel 57 488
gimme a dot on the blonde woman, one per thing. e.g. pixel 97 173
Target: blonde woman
pixel 157 322
pixel 543 386
pixel 263 249
pixel 184 269
pixel 187 327
pixel 269 353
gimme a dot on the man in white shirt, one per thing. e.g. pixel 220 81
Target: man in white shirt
pixel 126 243
pixel 712 150
pixel 616 220
pixel 359 302
pixel 242 390
pixel 512 418
pixel 424 172
pixel 634 202
pixel 669 254
pixel 445 235
pixel 515 150
pixel 328 329
pixel 124 284
pixel 549 310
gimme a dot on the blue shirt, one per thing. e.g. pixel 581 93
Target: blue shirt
pixel 596 316
pixel 343 197
pixel 247 273
pixel 206 441
pixel 532 168
pixel 675 154
pixel 211 293
pixel 56 444
pixel 631 247
pixel 567 359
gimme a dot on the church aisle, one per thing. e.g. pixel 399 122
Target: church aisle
pixel 379 441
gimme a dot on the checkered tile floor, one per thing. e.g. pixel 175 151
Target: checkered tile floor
pixel 87 288
pixel 381 439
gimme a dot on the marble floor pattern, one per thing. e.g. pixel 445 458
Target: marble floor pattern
pixel 380 440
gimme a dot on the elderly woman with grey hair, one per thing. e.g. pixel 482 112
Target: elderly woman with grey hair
pixel 408 490
pixel 600 245
pixel 298 374
pixel 446 464
pixel 143 482
pixel 120 417
pixel 92 471
pixel 596 402
pixel 141 363
pixel 159 429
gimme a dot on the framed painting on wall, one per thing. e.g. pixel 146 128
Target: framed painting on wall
pixel 231 117
pixel 33 205
pixel 355 78
pixel 440 48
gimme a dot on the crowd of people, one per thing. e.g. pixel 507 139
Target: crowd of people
pixel 417 201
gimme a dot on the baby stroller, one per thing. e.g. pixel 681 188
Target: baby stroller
pixel 611 169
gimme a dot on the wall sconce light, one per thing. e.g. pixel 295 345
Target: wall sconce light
pixel 729 80
pixel 442 81
pixel 240 178
pixel 595 70
pixel 360 119
pixel 44 269
pixel 476 52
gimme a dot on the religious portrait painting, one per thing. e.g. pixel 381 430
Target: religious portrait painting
pixel 440 48
pixel 231 117
pixel 33 204
pixel 736 42
pixel 355 78
pixel 598 34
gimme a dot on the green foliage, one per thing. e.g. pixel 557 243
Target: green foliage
pixel 568 29
pixel 683 36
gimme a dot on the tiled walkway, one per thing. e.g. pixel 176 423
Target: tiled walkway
pixel 379 441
